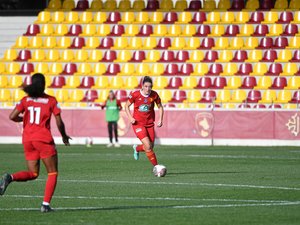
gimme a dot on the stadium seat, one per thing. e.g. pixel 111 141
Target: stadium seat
pixel 131 83
pixel 145 30
pixel 217 30
pixel 171 69
pixel 285 17
pixel 225 56
pixel 188 30
pixel 88 30
pixel 238 96
pixel 209 5
pixel 281 42
pixel 212 18
pixel 254 56
pixel 138 5
pixel 124 6
pixel 246 30
pixel 230 69
pixel 103 30
pixel 186 69
pixel 196 56
pixel 121 95
pixel 113 69
pixel 253 96
pixel 2 68
pixel 174 83
pixel 181 56
pixel 85 17
pixel 193 96
pixel 204 83
pixel 32 30
pixel 127 69
pixel 263 83
pixel 163 43
pixel 75 96
pixel 143 69
pixel 101 82
pixel 294 43
pixel 289 69
pixel 91 43
pixel 178 96
pixel 99 17
pixel 189 83
pixel 233 83
pixel 200 69
pixel 207 43
pixel 120 43
pixel 55 69
pixel 180 6
pixel 26 68
pixel 192 43
pixel 169 18
pixel 95 56
pixel 270 17
pixel 221 43
pixel 77 43
pixel 215 69
pixel 245 69
pixel 67 56
pixel 232 30
pixel 165 5
pixel 240 56
pixel 265 43
pixel 167 56
pixel 269 56
pixel 110 6
pixel 12 68
pixel 294 5
pixel 152 5
pixel 256 17
pixel 283 96
pixel 37 55
pixel 284 55
pixel 295 98
pixel 69 69
pixel 259 69
pixel 152 56
pixel 157 69
pixel 113 18
pixel 159 30
pixel 87 82
pixel 275 30
pixel 138 56
pixel 71 17
pixel 40 68
pixel 63 42
pixel 49 43
pixel 223 96
pixel 290 30
pixel 184 18
pixel 281 5
pixel 90 96
pixel 194 5
pixel 3 81
pixel 203 30
pixel 279 83
pixel 266 5
pixel 83 69
pixel 219 83
pixel 21 42
pixel 81 56
pixel 123 56
pixel 131 30
pixel 275 69
pixel 174 30
pixel 62 95
pixel 5 95
pixel 117 30
pixel 178 43
pixel 98 69
pixel 43 17
pixel 268 96
pixel 142 18
pixel 58 82
pixel 208 96
pixel 241 18
pixel 261 30
pixel 61 30
pixel 9 55
pixel 96 6
pixel 135 43
pixel 68 6
pixel 17 95
pixel 248 83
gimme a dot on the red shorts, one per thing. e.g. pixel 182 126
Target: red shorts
pixel 35 150
pixel 141 132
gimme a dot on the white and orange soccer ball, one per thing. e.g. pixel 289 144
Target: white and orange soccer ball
pixel 159 171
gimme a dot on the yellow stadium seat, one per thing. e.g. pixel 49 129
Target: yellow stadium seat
pixel 98 69
pixel 294 5
pixel 71 17
pixel 85 17
pixel 57 17
pixel 21 42
pixel 178 43
pixel 68 5
pixel 152 56
pixel 37 55
pixel 127 18
pixel 15 81
pixel 174 30
pixel 165 5
pixel 236 43
pixel 64 42
pixel 55 69
pixel 200 69
pixel 254 56
pixel 238 96
pixel 101 82
pixel 89 30
pixel 252 5
pixel 131 30
pixel 127 69
pixel 293 83
pixel 246 30
pixel 229 69
pixel 3 81
pixel 124 5
pixel 46 30
pixel 103 95
pixel 228 106
pixel 83 69
pixel 294 42
pixel 142 69
pixel 17 95
pixel 281 4
pixel 217 30
pixel 50 92
pixel 290 106
pixel 92 43
pixel 35 42
pixel 131 83
pixel 81 56
pixel 96 6
pixel 149 43
pixel 184 17
pixel 241 18
pixel 227 17
pixel 221 43
pixel 49 42
pixel 99 17
pixel 110 5
pixel 284 55
pixel 189 83
pixel 165 95
pixel 160 83
pixel 275 30
pixel 103 30
pixel 289 69
pixel 193 96
pixel 138 5
pixel 41 68
pixel 52 55
pixel 43 17
pixel 188 30
pixel 234 83
pixel 72 82
pixel 192 43
pixel 212 18
pixel 95 55
pixel 251 43
pixel 268 96
pixel 223 96
pixel 61 30
pixel 123 56
pixel 160 30
pixel 2 68
pixel 12 68
pixel 5 95
pixel 259 69
pixel 67 56
pixel 135 43
pixel 157 69
pixel 9 55
pixel 196 56
pixel 270 17
pixel 225 56
pixel 54 5
pixel 75 95
pixel 62 95
pixel 155 18
pixel 209 5
pixel 283 96
pixel 180 6
pixel 263 83
pixel 120 43
pixel 116 82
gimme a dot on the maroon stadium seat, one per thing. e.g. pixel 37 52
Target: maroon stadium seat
pixel 113 69
pixel 253 96
pixel 249 83
pixel 240 56
pixel 261 30
pixel 279 83
pixel 281 42
pixel 274 69
pixel 207 43
pixel 32 30
pixel 237 5
pixel 231 30
pixel 163 43
pixel 74 30
pixel 290 30
pixel 219 83
pixel 174 83
pixel 215 69
pixel 171 69
pixel 186 69
pixel 26 68
pixel 138 56
pixel 23 55
pixel 244 106
pixel 285 17
pixel 296 97
pixel 58 82
pixel 109 56
pixel 82 5
pixel 244 69
pixel 210 56
pixel 274 106
pixel 259 106
pixel 265 43
pixel 113 17
pixel 170 17
pixel 78 42
pixel 87 82
pixel 182 56
pixel 266 5
pixel 269 56
pixel 203 30
pixel 121 95
pixel 90 96
pixel 27 80
pixel 198 18
pixel 296 56
pixel 204 83
pixel 195 5
pixel 167 56
pixel 178 96
pixel 145 30
pixel 152 5
pixel 208 96
pixel 106 43
pixel 69 69
pixel 117 30
pixel 256 17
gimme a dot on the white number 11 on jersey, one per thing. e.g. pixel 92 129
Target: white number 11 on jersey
pixel 35 114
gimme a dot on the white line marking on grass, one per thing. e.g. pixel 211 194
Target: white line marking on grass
pixel 171 207
pixel 148 198
pixel 184 184
pixel 243 157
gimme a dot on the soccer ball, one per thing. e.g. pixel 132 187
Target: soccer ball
pixel 159 171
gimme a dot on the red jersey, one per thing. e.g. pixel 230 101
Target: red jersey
pixel 37 116
pixel 144 107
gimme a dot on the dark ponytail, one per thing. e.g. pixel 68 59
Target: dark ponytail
pixel 147 79
pixel 37 87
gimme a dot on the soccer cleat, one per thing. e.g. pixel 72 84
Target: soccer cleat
pixel 136 154
pixel 46 208
pixel 4 182
pixel 109 145
pixel 117 145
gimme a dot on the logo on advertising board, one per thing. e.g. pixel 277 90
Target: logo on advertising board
pixel 204 123
pixel 293 125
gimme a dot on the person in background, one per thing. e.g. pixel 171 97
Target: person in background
pixel 112 115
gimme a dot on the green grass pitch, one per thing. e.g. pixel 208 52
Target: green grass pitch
pixel 204 185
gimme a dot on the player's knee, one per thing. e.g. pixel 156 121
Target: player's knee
pixel 147 147
pixel 35 176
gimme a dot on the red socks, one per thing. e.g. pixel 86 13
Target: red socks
pixel 152 157
pixel 24 176
pixel 50 186
pixel 140 148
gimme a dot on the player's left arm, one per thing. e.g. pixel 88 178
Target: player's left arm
pixel 161 114
pixel 15 116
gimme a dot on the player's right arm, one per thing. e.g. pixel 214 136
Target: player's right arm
pixel 127 110
pixel 61 127
pixel 15 116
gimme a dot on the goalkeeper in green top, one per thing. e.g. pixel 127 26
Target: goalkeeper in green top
pixel 113 107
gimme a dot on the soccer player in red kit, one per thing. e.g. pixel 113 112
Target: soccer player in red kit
pixel 37 109
pixel 143 118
